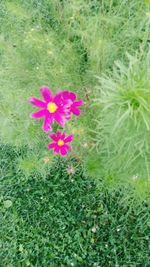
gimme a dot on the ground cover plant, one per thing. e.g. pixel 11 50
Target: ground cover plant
pixel 97 197
pixel 63 220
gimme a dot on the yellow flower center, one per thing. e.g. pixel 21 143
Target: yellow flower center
pixel 60 142
pixel 52 107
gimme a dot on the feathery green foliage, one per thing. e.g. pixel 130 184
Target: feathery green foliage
pixel 123 126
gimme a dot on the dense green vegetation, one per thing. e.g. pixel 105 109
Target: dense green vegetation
pixel 99 215
pixel 61 219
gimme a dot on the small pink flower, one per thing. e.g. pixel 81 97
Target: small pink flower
pixel 52 108
pixel 70 104
pixel 60 145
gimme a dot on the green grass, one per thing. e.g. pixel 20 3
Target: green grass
pixel 63 220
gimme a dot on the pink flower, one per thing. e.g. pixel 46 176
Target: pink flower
pixel 60 145
pixel 52 108
pixel 70 104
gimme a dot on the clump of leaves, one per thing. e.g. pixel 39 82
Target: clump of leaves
pixel 123 127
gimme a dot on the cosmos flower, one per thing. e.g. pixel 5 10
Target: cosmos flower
pixel 60 145
pixel 52 108
pixel 57 108
pixel 70 104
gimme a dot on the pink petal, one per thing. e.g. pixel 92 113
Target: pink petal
pixel 63 136
pixel 46 93
pixel 38 114
pixel 36 102
pixel 65 94
pixel 58 134
pixel 67 105
pixel 54 137
pixel 79 103
pixel 59 119
pixel 75 110
pixel 58 98
pixel 63 151
pixel 67 147
pixel 47 124
pixel 57 149
pixel 72 96
pixel 69 95
pixel 69 138
pixel 51 146
pixel 68 115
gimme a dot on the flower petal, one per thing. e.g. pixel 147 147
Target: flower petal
pixel 59 119
pixel 69 138
pixel 38 114
pixel 68 115
pixel 75 110
pixel 79 103
pixel 58 134
pixel 57 149
pixel 47 124
pixel 37 102
pixel 67 147
pixel 51 146
pixel 58 98
pixel 69 95
pixel 63 151
pixel 62 136
pixel 72 96
pixel 46 93
pixel 54 137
